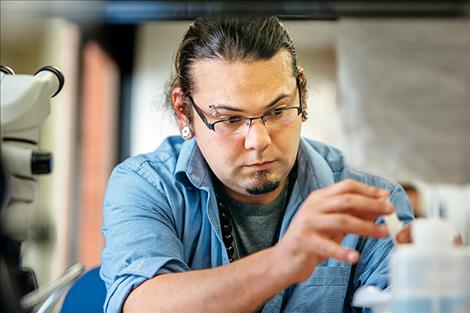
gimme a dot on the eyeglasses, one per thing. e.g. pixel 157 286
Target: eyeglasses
pixel 235 125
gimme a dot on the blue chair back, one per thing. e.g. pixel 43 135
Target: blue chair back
pixel 87 294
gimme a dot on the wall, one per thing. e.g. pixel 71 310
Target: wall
pixel 156 47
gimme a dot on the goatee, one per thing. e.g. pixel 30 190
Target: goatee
pixel 263 184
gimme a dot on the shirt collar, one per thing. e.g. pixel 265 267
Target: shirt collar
pixel 191 167
pixel 314 172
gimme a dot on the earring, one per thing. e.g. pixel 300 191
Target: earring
pixel 186 132
pixel 304 114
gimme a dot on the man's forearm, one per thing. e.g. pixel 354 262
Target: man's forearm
pixel 242 286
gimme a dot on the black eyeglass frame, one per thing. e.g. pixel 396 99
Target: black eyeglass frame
pixel 211 126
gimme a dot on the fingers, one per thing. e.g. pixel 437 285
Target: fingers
pixel 404 235
pixel 347 224
pixel 353 186
pixel 328 214
pixel 327 248
pixel 355 204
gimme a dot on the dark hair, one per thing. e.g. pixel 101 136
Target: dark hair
pixel 230 39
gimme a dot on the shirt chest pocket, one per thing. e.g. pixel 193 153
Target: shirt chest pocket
pixel 324 291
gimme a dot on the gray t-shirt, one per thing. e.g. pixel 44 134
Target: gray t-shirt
pixel 254 227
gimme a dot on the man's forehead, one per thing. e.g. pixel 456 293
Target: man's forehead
pixel 242 77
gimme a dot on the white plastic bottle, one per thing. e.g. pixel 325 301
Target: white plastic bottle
pixel 432 275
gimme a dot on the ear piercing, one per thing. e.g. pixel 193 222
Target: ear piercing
pixel 304 114
pixel 186 132
pixel 214 111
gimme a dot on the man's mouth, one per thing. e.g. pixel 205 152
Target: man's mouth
pixel 258 166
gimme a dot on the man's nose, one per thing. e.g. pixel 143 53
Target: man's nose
pixel 257 136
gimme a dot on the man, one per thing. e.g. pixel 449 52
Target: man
pixel 415 199
pixel 243 214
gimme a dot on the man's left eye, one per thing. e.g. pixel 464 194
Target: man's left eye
pixel 276 112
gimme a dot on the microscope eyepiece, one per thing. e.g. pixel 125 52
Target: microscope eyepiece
pixel 6 70
pixel 57 73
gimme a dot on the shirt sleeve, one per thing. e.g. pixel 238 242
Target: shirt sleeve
pixel 373 266
pixel 140 237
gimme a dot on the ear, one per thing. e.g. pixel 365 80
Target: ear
pixel 182 113
pixel 303 92
pixel 181 108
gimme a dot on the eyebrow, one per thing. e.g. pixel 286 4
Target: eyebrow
pixel 269 105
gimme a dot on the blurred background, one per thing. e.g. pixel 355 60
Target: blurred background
pixel 388 83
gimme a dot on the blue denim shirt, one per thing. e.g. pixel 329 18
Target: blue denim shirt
pixel 160 216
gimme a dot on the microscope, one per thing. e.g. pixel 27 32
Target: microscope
pixel 25 105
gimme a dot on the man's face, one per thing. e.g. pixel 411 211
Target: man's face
pixel 253 165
